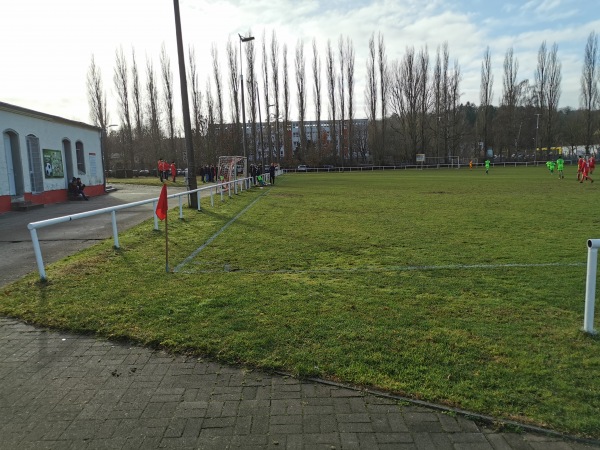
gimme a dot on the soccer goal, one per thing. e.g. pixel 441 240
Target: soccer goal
pixel 231 168
pixel 454 162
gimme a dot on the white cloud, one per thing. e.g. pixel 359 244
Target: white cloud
pixel 47 46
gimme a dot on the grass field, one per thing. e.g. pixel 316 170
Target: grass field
pixel 443 285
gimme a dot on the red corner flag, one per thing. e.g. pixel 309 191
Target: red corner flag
pixel 162 205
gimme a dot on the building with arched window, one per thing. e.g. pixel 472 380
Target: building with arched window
pixel 41 153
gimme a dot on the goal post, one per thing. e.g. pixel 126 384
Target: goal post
pixel 231 168
pixel 454 162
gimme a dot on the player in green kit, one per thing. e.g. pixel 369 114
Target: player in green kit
pixel 487 166
pixel 560 166
pixel 551 165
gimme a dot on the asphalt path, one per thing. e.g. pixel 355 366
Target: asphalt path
pixel 64 239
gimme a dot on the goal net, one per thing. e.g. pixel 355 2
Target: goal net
pixel 231 168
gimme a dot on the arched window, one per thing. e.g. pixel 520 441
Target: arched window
pixel 68 158
pixel 80 157
pixel 34 157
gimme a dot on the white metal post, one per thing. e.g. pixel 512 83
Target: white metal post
pixel 114 227
pixel 590 285
pixel 38 253
pixel 181 207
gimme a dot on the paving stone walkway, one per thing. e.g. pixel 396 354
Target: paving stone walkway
pixel 65 391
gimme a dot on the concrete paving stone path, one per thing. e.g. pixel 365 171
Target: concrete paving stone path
pixel 65 391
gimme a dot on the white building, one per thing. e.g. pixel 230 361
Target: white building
pixel 41 153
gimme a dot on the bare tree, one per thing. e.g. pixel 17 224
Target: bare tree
pixel 316 72
pixel 438 104
pixel 167 79
pixel 97 103
pixel 234 83
pixel 425 94
pixel 265 57
pixel 589 87
pixel 342 95
pixel 96 96
pixel 350 57
pixel 510 97
pixel 211 138
pixel 287 142
pixel 405 100
pixel 121 80
pixel 331 89
pixel 196 97
pixel 138 108
pixel 301 86
pixel 383 89
pixel 456 118
pixel 153 111
pixel 219 94
pixel 553 91
pixel 275 75
pixel 371 100
pixel 446 98
pixel 485 95
pixel 541 86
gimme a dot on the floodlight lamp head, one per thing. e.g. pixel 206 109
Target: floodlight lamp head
pixel 245 39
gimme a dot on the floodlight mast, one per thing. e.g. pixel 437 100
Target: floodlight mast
pixel 243 39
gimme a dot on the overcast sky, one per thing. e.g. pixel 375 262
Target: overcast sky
pixel 46 46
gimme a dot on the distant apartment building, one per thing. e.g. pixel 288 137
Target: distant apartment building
pixel 344 143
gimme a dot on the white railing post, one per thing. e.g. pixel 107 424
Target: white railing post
pixel 38 253
pixel 180 207
pixel 114 227
pixel 590 285
pixel 212 199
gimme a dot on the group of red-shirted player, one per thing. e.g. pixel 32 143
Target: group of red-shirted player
pixel 163 170
pixel 585 168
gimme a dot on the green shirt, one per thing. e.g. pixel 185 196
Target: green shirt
pixel 560 163
pixel 487 163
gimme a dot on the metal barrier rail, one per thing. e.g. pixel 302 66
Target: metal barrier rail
pixel 235 186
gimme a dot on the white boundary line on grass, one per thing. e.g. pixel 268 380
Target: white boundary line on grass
pixel 214 236
pixel 387 269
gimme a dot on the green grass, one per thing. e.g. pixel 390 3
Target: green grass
pixel 443 285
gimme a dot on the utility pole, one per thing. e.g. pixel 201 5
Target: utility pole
pixel 187 125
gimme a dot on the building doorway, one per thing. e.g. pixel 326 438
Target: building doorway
pixel 16 186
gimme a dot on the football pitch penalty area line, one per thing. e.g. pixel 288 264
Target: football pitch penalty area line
pixel 393 268
pixel 214 236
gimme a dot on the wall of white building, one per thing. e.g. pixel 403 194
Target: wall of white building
pixel 22 181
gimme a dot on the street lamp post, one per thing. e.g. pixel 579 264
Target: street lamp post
pixel 243 39
pixel 262 142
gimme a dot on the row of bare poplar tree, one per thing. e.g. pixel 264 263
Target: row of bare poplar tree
pixel 411 107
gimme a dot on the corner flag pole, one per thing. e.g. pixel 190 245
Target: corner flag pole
pixel 166 242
